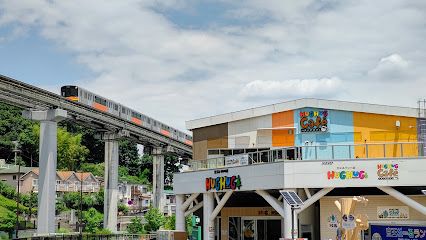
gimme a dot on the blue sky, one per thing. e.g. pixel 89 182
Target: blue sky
pixel 178 60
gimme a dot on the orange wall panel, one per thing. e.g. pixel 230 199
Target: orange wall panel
pixel 377 128
pixel 283 137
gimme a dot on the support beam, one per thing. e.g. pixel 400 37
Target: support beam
pixel 194 208
pixel 307 192
pixel 111 181
pixel 158 178
pixel 404 199
pixel 180 213
pixel 216 196
pixel 220 205
pixel 48 160
pixel 189 200
pixel 208 225
pixel 272 201
pixel 317 196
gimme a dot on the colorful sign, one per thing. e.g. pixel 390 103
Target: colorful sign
pixel 394 212
pixel 314 121
pixel 332 222
pixel 379 232
pixel 236 160
pixel 344 173
pixel 388 171
pixel 223 183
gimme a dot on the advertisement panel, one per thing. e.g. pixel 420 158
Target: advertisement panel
pixel 236 160
pixel 383 232
pixel 393 212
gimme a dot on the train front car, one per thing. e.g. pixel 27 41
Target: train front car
pixel 70 93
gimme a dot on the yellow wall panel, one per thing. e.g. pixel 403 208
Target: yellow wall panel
pixel 284 137
pixel 377 128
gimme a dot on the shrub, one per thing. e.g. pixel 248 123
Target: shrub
pixel 135 226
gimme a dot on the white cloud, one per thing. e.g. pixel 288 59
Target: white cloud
pixel 323 87
pixel 142 58
pixel 391 68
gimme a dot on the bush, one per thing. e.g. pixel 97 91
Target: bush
pixel 93 220
pixel 63 230
pixel 123 208
pixel 135 226
pixel 154 219
pixel 170 222
pixel 103 231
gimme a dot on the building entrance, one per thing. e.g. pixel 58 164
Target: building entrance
pixel 260 229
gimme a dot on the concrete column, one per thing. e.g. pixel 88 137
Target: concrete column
pixel 208 206
pixel 48 159
pixel 111 181
pixel 158 178
pixel 180 212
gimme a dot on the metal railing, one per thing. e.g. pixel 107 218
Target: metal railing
pixel 76 236
pixel 321 152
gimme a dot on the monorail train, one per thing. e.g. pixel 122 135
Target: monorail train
pixel 78 94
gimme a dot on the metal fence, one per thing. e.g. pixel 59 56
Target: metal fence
pixel 322 152
pixel 94 237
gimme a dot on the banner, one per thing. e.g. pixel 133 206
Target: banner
pixel 394 212
pixel 236 160
pixel 383 232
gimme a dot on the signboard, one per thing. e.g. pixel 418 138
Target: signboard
pixel 332 222
pixel 393 212
pixel 314 121
pixel 223 183
pixel 383 232
pixel 236 160
pixel 348 221
pixel 388 171
pixel 347 172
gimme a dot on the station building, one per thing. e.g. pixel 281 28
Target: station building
pixel 324 151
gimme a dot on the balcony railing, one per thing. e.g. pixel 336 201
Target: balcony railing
pixel 72 188
pixel 317 152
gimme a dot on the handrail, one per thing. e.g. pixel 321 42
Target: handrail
pixel 317 152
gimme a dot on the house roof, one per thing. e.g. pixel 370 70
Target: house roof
pixel 84 174
pixel 64 175
pixel 302 103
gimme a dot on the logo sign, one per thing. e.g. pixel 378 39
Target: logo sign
pixel 223 183
pixel 383 232
pixel 236 160
pixel 387 171
pixel 345 173
pixel 348 221
pixel 314 121
pixel 394 212
pixel 332 222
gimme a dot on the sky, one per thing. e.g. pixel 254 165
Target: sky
pixel 178 60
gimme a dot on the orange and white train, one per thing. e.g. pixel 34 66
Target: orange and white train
pixel 78 94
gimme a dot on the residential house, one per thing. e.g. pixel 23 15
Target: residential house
pixel 10 173
pixel 136 197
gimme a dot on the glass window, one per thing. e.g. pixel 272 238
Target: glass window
pixel 35 182
pixel 14 177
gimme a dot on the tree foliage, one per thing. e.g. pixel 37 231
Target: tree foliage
pixel 93 220
pixel 154 219
pixel 96 169
pixel 135 226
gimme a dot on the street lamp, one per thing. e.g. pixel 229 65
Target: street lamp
pixel 295 202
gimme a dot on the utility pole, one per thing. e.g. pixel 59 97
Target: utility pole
pixel 16 150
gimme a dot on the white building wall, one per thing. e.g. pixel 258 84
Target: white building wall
pixel 244 133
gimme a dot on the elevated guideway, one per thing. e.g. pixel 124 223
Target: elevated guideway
pixel 49 108
pixel 27 96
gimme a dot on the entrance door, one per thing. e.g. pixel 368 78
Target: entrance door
pixel 249 229
pixel 260 229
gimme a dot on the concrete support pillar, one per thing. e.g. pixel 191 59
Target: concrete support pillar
pixel 180 212
pixel 48 159
pixel 208 207
pixel 111 181
pixel 158 178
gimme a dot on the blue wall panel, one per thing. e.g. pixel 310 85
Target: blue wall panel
pixel 340 131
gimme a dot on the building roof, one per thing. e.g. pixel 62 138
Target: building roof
pixel 85 175
pixel 64 175
pixel 11 169
pixel 302 103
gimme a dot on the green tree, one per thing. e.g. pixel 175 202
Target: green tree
pixel 170 222
pixel 97 169
pixel 129 157
pixel 8 223
pixel 92 219
pixel 154 219
pixel 135 226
